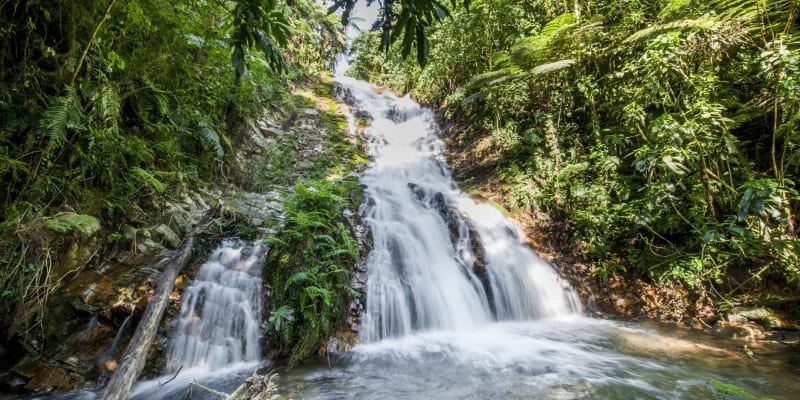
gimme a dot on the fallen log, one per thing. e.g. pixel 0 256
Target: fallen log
pixel 256 387
pixel 133 360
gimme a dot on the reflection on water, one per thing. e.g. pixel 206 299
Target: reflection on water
pixel 565 358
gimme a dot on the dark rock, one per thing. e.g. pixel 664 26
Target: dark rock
pixel 344 94
pixel 735 330
pixel 460 227
pixel 760 315
pixel 363 114
pixel 396 114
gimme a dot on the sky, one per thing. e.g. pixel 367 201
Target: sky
pixel 368 15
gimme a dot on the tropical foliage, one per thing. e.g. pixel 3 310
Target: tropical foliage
pixel 662 135
pixel 106 105
pixel 309 262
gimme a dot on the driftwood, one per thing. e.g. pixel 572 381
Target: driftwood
pixel 256 387
pixel 133 360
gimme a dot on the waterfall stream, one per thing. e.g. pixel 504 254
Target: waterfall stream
pixel 217 334
pixel 439 260
pixel 457 307
pixel 218 324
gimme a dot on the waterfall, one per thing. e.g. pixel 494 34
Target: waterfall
pixel 219 320
pixel 440 261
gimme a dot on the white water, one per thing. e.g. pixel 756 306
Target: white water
pixel 217 334
pixel 419 277
pixel 436 329
pixel 219 325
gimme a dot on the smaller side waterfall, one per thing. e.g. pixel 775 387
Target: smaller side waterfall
pixel 219 319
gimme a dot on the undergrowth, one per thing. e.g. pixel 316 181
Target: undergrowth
pixel 309 265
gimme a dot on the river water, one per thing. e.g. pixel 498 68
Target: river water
pixel 458 307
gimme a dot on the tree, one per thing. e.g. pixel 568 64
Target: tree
pixel 404 19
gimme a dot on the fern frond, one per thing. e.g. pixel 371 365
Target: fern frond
pixel 539 49
pixel 110 104
pixel 298 277
pixel 64 113
pixel 704 23
pixel 553 66
pixel 673 8
pixel 211 138
pixel 557 24
pixel 148 178
pixel 14 166
pixel 492 77
pixel 750 14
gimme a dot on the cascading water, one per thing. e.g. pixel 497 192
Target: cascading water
pixel 218 324
pixel 217 333
pixel 439 261
pixel 458 308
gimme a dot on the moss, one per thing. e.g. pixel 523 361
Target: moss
pixel 729 391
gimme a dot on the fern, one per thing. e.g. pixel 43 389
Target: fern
pixel 109 105
pixel 64 113
pixel 537 49
pixel 705 23
pixel 753 15
pixel 674 7
pixel 307 254
pixel 148 178
pixel 8 164
pixel 553 66
pixel 211 138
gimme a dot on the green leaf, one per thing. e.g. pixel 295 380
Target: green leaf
pixel 211 138
pixel 148 178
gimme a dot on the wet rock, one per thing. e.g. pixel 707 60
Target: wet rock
pixel 363 114
pixel 740 331
pixel 150 247
pixel 12 381
pixel 787 337
pixel 760 315
pixel 343 341
pixel 257 207
pixel 463 235
pixel 43 375
pixel 167 236
pixel 181 220
pixel 79 254
pixel 344 94
pixel 396 114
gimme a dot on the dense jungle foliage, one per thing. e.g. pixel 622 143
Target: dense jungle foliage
pixel 662 134
pixel 108 105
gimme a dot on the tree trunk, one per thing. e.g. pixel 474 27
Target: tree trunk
pixel 133 360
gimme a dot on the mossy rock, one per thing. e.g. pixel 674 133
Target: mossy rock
pixel 727 391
